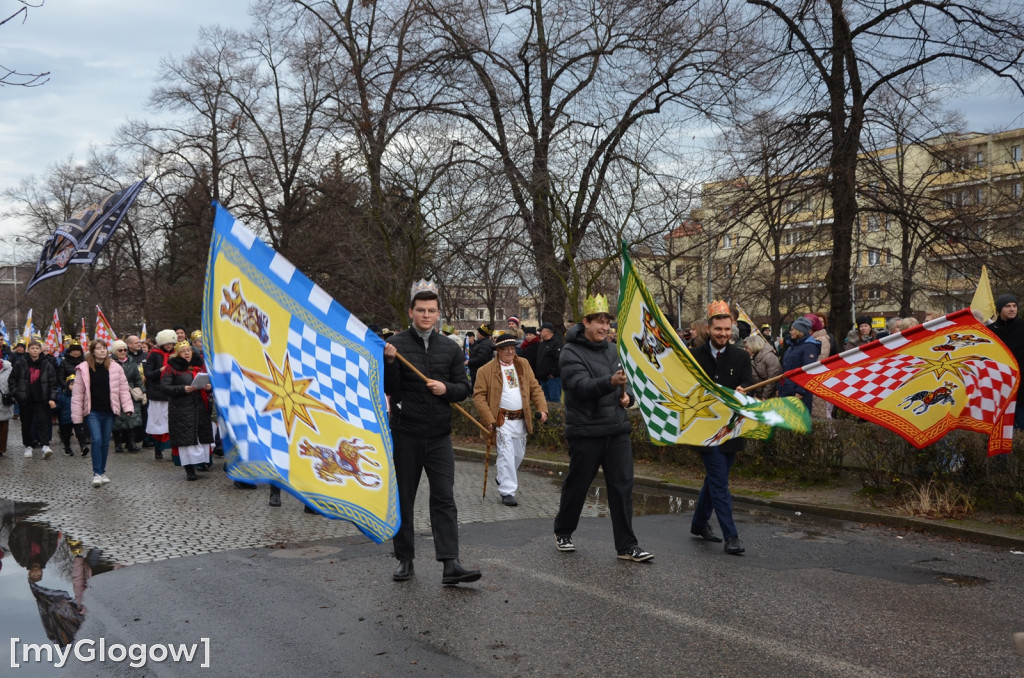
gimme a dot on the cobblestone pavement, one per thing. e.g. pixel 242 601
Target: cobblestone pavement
pixel 148 512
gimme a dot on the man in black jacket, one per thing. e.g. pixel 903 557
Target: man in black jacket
pixel 421 426
pixel 729 366
pixel 481 351
pixel 597 430
pixel 34 382
pixel 1010 330
pixel 547 363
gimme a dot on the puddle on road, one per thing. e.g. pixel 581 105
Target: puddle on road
pixel 44 574
pixel 650 503
pixel 811 536
pixel 962 580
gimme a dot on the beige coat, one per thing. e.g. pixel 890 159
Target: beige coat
pixel 487 392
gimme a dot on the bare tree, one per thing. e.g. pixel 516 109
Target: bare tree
pixel 841 54
pixel 10 77
pixel 563 95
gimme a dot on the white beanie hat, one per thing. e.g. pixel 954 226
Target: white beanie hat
pixel 166 337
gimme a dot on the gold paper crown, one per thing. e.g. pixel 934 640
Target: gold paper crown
pixel 718 307
pixel 182 344
pixel 594 305
pixel 422 285
pixel 198 334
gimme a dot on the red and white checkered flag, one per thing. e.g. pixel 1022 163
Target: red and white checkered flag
pixel 83 336
pixel 104 332
pixel 60 332
pixel 52 342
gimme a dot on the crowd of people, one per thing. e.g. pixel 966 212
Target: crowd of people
pixel 133 394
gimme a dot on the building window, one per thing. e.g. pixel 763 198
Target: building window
pixel 480 313
pixel 726 242
pixel 874 294
pixel 794 237
pixel 872 223
pixel 979 196
pixel 874 258
pixel 1015 153
pixel 499 313
pixel 460 313
pixel 680 270
pixel 979 159
pixel 1016 190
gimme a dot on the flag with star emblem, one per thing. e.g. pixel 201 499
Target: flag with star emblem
pixel 299 384
pixel 949 373
pixel 679 402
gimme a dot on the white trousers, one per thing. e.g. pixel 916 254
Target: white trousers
pixel 510 439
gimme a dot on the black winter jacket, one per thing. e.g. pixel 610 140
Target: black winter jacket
pixel 733 370
pixel 1011 333
pixel 151 369
pixel 592 407
pixel 188 418
pixel 415 411
pixel 67 368
pixel 547 359
pixel 480 353
pixel 46 389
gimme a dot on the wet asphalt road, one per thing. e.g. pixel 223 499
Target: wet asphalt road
pixel 809 598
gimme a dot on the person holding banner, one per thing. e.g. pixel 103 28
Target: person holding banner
pixel 728 366
pixel 421 426
pixel 597 429
pixel 1010 330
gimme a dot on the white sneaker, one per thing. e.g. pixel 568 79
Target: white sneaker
pixel 97 480
pixel 47 452
pixel 28 451
pixel 104 478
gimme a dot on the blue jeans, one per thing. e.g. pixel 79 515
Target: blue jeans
pixel 100 424
pixel 552 389
pixel 714 494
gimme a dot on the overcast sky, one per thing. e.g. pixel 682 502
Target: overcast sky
pixel 103 57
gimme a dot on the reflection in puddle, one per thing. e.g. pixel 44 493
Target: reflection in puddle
pixel 651 503
pixel 43 576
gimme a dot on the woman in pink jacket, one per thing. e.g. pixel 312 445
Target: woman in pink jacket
pixel 100 394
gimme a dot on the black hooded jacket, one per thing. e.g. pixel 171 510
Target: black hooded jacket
pixel 592 407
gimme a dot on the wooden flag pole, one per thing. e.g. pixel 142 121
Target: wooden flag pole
pixel 487 458
pixel 759 384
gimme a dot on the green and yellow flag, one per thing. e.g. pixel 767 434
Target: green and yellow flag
pixel 679 402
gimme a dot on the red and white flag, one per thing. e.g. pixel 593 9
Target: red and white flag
pixel 52 342
pixel 104 332
pixel 83 336
pixel 59 331
pixel 949 373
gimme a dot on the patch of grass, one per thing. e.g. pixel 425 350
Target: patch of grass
pixel 937 499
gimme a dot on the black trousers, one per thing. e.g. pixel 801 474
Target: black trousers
pixel 36 424
pixel 413 456
pixel 65 431
pixel 614 456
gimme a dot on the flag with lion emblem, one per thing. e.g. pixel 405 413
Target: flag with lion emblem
pixel 679 402
pixel 298 382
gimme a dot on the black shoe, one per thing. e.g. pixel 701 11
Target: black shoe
pixel 404 571
pixel 132 447
pixel 203 467
pixel 68 452
pixel 158 454
pixel 454 573
pixel 85 451
pixel 733 546
pixel 308 510
pixel 239 485
pixel 118 449
pixel 275 496
pixel 509 500
pixel 190 472
pixel 705 533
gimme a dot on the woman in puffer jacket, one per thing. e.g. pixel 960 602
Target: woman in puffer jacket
pixel 99 395
pixel 189 425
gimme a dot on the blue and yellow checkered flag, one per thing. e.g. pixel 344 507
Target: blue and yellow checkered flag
pixel 679 402
pixel 299 384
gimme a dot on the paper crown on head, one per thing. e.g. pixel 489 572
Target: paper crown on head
pixel 501 340
pixel 198 334
pixel 180 345
pixel 67 338
pixel 422 285
pixel 74 343
pixel 595 304
pixel 484 329
pixel 717 308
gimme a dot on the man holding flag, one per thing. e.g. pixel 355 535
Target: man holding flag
pixel 1010 330
pixel 421 426
pixel 727 366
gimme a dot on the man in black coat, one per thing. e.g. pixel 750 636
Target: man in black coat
pixel 597 429
pixel 729 366
pixel 34 385
pixel 547 363
pixel 421 427
pixel 481 351
pixel 1010 330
